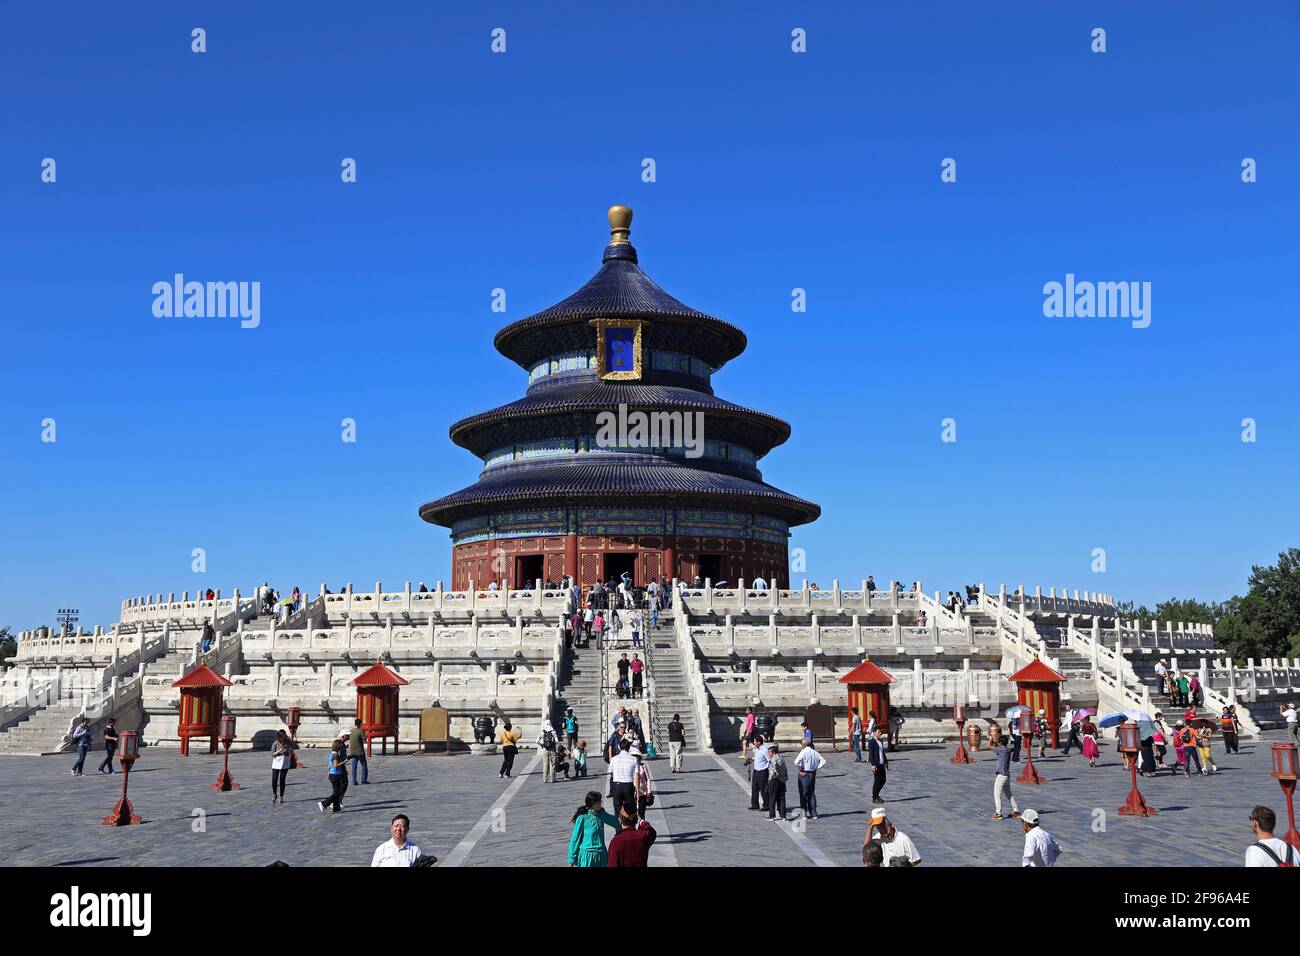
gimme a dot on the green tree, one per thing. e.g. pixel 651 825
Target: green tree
pixel 8 644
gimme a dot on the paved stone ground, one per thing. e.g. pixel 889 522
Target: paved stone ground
pixel 461 810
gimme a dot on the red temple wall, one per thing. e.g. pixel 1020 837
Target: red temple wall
pixel 584 557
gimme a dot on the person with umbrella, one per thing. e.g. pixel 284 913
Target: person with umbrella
pixel 1114 720
pixel 1013 714
pixel 1147 763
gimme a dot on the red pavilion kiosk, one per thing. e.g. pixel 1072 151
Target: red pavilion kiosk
pixel 869 693
pixel 1038 687
pixel 377 700
pixel 201 690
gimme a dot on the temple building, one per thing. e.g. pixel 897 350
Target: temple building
pixel 619 457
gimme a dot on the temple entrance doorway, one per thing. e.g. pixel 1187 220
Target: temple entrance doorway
pixel 528 569
pixel 712 568
pixel 616 564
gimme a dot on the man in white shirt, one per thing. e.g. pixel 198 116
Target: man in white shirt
pixel 1041 848
pixel 1161 671
pixel 894 843
pixel 758 774
pixel 1268 850
pixel 492 586
pixel 808 763
pixel 399 851
pixel 1292 719
pixel 622 770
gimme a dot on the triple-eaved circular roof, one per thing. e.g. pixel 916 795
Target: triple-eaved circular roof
pixel 620 290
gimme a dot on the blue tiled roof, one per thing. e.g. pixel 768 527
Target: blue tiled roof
pixel 621 290
pixel 618 484
pixel 606 396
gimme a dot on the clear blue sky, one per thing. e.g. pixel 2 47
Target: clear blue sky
pixel 775 171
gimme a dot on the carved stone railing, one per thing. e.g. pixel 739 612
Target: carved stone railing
pixel 694 678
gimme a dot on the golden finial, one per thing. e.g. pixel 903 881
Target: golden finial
pixel 620 223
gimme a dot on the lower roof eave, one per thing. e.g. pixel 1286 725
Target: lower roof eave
pixel 794 511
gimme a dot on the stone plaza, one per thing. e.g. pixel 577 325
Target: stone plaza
pixel 463 813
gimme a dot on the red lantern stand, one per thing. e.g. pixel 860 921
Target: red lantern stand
pixel 1038 687
pixel 1130 744
pixel 128 751
pixel 293 720
pixel 869 693
pixel 377 705
pixel 201 691
pixel 961 756
pixel 1285 773
pixel 1030 774
pixel 226 731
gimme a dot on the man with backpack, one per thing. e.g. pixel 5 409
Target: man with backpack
pixel 1268 850
pixel 547 742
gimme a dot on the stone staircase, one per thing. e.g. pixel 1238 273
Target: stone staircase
pixel 580 689
pixel 671 691
pixel 43 731
pixel 1072 664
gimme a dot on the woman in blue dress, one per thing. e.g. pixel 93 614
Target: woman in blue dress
pixel 587 845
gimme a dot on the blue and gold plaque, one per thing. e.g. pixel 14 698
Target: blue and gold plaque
pixel 618 348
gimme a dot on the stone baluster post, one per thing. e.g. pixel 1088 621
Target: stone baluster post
pixel 918 687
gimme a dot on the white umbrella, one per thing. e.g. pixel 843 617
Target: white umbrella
pixel 1016 711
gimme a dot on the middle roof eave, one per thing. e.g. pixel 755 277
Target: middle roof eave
pixel 607 396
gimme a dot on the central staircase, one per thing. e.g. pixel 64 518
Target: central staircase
pixel 580 689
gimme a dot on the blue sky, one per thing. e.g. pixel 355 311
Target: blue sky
pixel 775 170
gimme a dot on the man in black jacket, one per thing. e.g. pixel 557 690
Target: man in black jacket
pixel 676 743
pixel 879 763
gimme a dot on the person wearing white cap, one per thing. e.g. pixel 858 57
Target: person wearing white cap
pixel 898 848
pixel 1041 848
pixel 1040 728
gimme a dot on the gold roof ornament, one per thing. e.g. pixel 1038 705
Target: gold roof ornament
pixel 620 224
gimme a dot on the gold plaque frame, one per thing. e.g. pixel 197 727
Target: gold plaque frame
pixel 600 325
